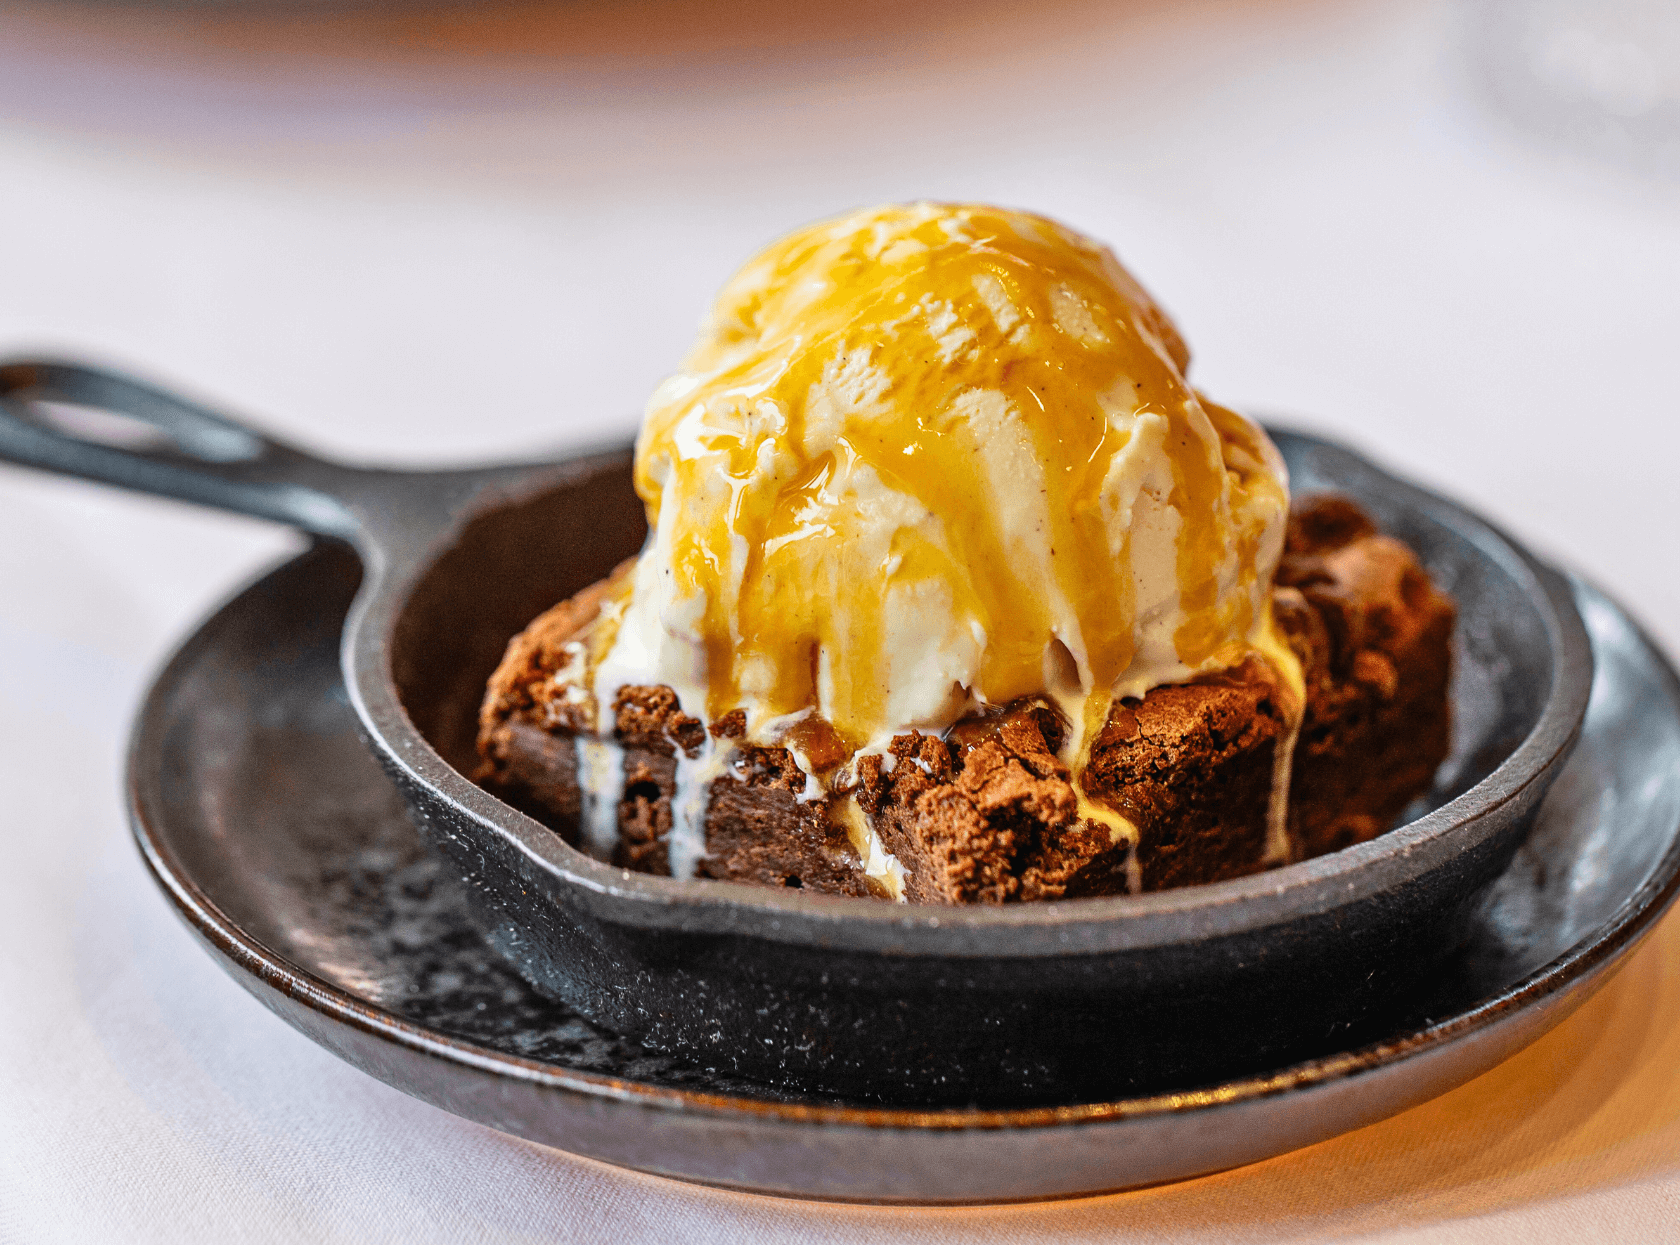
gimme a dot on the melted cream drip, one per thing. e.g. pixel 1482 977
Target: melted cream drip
pixel 1276 650
pixel 686 846
pixel 879 865
pixel 600 771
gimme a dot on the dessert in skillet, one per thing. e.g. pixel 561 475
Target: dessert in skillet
pixel 956 591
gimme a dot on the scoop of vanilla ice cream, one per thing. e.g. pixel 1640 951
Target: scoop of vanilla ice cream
pixel 932 457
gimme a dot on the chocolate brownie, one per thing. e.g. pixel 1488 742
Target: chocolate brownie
pixel 1374 636
pixel 988 813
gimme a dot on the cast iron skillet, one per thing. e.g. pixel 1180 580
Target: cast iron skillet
pixel 1034 1003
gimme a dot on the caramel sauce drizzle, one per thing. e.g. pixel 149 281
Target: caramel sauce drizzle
pixel 968 377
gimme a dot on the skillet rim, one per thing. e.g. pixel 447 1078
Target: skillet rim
pixel 1024 931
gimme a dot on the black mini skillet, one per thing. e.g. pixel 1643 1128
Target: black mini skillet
pixel 1090 998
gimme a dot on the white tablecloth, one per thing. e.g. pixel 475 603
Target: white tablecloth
pixel 434 236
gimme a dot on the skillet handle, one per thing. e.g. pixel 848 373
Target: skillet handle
pixel 176 448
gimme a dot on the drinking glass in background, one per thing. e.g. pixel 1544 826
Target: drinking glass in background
pixel 1600 75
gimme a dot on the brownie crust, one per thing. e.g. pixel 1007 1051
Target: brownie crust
pixel 988 813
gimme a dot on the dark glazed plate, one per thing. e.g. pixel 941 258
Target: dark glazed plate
pixel 287 851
